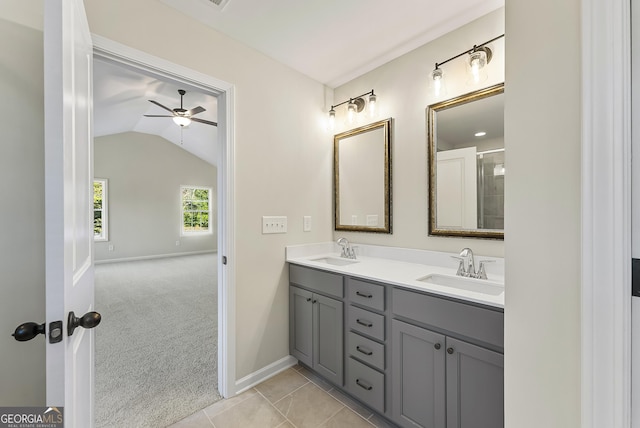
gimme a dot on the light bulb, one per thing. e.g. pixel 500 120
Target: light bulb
pixel 477 62
pixel 437 82
pixel 181 120
pixel 332 119
pixel 372 104
pixel 351 111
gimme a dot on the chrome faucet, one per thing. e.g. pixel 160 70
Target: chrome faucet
pixel 470 264
pixel 467 265
pixel 347 251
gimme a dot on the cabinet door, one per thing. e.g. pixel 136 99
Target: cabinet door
pixel 328 350
pixel 301 325
pixel 475 386
pixel 418 376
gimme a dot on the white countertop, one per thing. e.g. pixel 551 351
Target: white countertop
pixel 401 267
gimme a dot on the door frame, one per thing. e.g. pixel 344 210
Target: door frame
pixel 109 50
pixel 606 214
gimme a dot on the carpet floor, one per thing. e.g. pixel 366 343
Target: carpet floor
pixel 156 348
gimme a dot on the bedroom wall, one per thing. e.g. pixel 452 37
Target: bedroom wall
pixel 144 174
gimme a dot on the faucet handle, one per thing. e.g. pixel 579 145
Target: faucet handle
pixel 482 273
pixel 461 268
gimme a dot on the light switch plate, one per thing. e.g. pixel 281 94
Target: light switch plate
pixel 306 223
pixel 274 224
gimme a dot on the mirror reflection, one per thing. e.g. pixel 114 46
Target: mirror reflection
pixel 467 165
pixel 362 170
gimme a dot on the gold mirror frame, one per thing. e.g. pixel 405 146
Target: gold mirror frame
pixel 385 127
pixel 432 111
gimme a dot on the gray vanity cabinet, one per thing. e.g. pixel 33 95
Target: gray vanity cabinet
pixel 475 386
pixel 418 370
pixel 419 359
pixel 440 380
pixel 316 327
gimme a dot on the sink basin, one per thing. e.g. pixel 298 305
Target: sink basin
pixel 469 284
pixel 336 261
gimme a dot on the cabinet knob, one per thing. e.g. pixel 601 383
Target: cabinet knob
pixel 437 346
pixel 314 301
pixel 449 350
pixel 308 299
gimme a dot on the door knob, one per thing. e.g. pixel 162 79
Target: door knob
pixel 28 331
pixel 88 320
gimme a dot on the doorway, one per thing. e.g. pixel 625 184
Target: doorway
pixel 106 50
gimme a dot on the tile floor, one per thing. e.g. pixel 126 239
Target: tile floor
pixel 295 398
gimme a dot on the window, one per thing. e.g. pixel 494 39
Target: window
pixel 196 210
pixel 100 210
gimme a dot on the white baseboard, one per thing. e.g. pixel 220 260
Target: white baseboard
pixel 264 373
pixel 157 256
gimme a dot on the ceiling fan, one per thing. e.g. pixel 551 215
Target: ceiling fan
pixel 180 115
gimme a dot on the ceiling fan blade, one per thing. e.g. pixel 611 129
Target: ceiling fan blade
pixel 160 105
pixel 157 115
pixel 208 122
pixel 196 110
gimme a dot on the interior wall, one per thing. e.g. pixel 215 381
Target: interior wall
pixel 403 94
pixel 22 275
pixel 283 158
pixel 144 174
pixel 543 214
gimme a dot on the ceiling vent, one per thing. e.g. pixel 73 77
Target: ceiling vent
pixel 220 3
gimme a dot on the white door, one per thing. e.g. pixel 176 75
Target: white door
pixel 457 195
pixel 68 207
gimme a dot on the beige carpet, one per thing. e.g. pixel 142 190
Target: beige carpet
pixel 156 348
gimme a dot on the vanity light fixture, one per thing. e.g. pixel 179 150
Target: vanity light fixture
pixel 478 57
pixel 354 106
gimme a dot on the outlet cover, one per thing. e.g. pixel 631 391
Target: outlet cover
pixel 306 223
pixel 274 224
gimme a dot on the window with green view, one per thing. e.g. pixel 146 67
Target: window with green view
pixel 196 210
pixel 100 210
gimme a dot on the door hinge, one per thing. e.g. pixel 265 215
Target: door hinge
pixel 224 260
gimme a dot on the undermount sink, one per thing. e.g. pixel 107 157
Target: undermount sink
pixel 336 261
pixel 469 284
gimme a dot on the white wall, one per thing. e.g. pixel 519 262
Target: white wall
pixel 22 367
pixel 542 214
pixel 283 158
pixel 402 89
pixel 144 174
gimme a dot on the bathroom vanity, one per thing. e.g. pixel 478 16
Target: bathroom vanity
pixel 390 334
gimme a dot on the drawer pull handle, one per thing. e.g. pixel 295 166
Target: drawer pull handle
pixel 365 351
pixel 368 296
pixel 363 385
pixel 364 323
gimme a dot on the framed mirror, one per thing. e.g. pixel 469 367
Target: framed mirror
pixel 362 178
pixel 467 164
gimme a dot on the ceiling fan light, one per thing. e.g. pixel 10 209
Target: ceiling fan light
pixel 181 120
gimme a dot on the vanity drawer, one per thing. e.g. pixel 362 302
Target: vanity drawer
pixel 366 322
pixel 366 384
pixel 485 325
pixel 316 280
pixel 366 294
pixel 366 350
